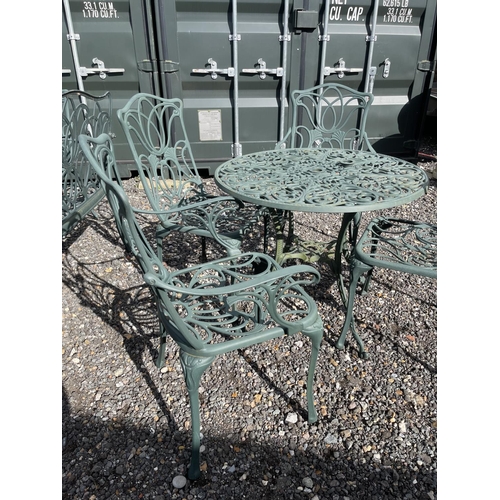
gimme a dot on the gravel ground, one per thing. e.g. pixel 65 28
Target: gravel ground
pixel 126 424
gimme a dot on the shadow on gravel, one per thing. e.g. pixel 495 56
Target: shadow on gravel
pixel 294 404
pixel 105 458
pixel 112 459
pixel 401 289
pixel 391 338
pixel 75 234
pixel 130 311
pixel 114 305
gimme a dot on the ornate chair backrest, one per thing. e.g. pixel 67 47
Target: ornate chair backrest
pixel 154 128
pixel 82 113
pixel 329 116
pixel 100 154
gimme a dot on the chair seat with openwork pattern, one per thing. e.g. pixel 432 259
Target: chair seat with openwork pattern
pixel 401 245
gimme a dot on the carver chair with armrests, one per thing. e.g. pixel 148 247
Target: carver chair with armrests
pixel 155 131
pixel 82 113
pixel 216 307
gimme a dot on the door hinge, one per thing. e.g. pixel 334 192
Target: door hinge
pixel 169 66
pixel 410 144
pixel 427 66
pixel 305 19
pixel 146 66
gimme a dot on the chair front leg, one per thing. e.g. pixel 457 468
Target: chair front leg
pixel 315 334
pixel 193 368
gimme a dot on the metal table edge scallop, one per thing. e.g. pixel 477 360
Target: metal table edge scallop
pixel 322 180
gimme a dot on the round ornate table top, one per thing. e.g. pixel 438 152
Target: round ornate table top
pixel 322 180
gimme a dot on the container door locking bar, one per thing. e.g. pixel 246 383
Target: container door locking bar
pixel 340 69
pixel 214 71
pixel 263 71
pixel 101 70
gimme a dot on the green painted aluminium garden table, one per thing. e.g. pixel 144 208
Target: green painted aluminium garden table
pixel 340 181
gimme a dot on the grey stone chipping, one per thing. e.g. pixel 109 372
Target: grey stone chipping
pixel 126 424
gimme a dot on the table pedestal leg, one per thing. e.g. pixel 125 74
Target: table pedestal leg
pixel 280 219
pixel 344 249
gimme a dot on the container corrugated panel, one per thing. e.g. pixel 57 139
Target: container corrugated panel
pixel 234 63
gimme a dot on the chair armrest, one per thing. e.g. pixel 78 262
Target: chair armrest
pixel 218 216
pixel 262 279
pixel 185 208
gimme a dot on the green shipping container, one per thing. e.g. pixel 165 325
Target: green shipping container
pixel 234 63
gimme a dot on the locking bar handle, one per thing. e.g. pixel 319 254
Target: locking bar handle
pixel 101 70
pixel 340 69
pixel 263 71
pixel 214 71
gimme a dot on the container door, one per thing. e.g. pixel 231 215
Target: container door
pixel 386 47
pixel 230 70
pixel 106 47
pixel 235 63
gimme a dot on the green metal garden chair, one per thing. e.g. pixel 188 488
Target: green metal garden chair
pixel 82 113
pixel 154 128
pixel 328 116
pixel 401 245
pixel 334 116
pixel 325 116
pixel 216 307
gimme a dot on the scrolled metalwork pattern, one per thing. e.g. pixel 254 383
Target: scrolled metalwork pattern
pixel 215 307
pixel 322 180
pixel 82 113
pixel 155 131
pixel 400 244
pixel 260 297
